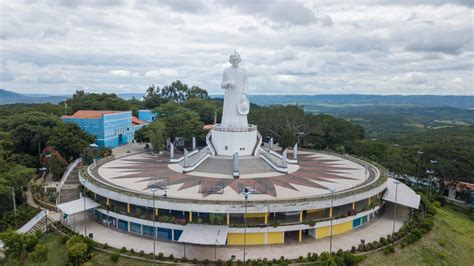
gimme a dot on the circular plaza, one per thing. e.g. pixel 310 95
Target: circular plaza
pixel 208 206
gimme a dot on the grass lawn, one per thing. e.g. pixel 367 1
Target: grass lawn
pixel 104 259
pixel 451 242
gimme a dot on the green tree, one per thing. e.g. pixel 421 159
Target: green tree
pixel 152 98
pixel 18 244
pixel 93 101
pixel 286 124
pixel 70 140
pixel 157 135
pixel 57 166
pixel 180 121
pixel 78 252
pixel 16 177
pixel 78 249
pixel 30 131
pixel 205 108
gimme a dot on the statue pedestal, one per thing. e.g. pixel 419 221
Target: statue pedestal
pixel 229 140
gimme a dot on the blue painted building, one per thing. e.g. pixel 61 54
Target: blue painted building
pixel 111 128
pixel 147 115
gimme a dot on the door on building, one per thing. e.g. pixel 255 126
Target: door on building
pixel 120 139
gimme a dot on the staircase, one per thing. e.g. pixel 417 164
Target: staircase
pixel 36 223
pixel 69 190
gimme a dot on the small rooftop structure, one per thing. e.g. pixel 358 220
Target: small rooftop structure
pixel 78 206
pixel 404 195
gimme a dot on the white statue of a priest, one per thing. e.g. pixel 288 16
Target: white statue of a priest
pixel 236 103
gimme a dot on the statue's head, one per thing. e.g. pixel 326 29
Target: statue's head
pixel 234 59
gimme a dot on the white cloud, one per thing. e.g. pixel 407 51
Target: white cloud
pixel 286 78
pixel 120 73
pixel 383 47
pixel 162 72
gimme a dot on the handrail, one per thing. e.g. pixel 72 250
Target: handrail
pixel 259 143
pixel 290 161
pixel 31 223
pixel 177 160
pixel 198 163
pixel 278 168
pixel 67 173
pixel 209 142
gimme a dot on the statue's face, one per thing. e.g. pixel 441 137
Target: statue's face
pixel 234 60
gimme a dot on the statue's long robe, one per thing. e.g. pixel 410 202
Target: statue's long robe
pixel 232 97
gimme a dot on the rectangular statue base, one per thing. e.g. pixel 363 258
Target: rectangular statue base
pixel 227 142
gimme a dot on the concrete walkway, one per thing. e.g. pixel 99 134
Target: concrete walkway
pixel 128 149
pixel 369 232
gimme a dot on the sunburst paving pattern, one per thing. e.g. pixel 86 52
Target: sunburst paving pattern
pixel 316 173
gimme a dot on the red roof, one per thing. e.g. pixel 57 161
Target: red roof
pixel 91 113
pixel 137 121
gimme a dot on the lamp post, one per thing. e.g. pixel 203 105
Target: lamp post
pixel 396 164
pixel 49 161
pixel 246 194
pixel 419 164
pixel 433 162
pixel 153 186
pixel 332 217
pixel 85 216
pixel 395 208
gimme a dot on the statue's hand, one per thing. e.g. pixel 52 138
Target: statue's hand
pixel 230 85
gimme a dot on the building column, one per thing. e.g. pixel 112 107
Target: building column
pixel 108 202
pixel 300 235
pixel 228 218
pixel 95 196
pixel 128 208
pixel 190 216
pixel 330 212
pixel 369 200
pixel 156 213
pixel 266 218
pixel 301 218
pixel 353 205
pixel 128 226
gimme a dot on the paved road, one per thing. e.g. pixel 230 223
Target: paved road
pixel 370 232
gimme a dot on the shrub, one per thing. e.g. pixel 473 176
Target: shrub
pixel 437 204
pixel 195 261
pixel 353 249
pixel 442 242
pixel 442 255
pixel 160 255
pixel 114 256
pixel 132 251
pixel 142 252
pixel 171 257
pixel 351 259
pixel 123 250
pixel 64 239
pixel 383 241
pixel 40 254
pixel 105 246
pixel 389 249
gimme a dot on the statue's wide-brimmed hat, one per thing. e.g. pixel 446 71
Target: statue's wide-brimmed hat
pixel 244 105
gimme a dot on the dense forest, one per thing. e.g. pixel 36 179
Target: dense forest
pixel 33 136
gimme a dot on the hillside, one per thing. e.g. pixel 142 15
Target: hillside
pixel 8 97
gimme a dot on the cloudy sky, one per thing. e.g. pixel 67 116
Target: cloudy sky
pixel 287 47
